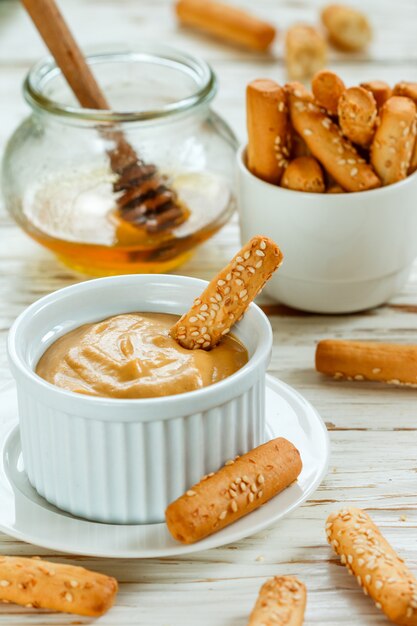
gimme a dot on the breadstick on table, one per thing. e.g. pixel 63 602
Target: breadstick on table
pixel 305 51
pixel 55 586
pixel 238 488
pixel 348 28
pixel 226 22
pixel 365 360
pixel 393 144
pixel 380 572
pixel 326 142
pixel 358 112
pixel 228 295
pixel 268 129
pixel 281 600
pixel 327 88
pixel 380 90
pixel 304 174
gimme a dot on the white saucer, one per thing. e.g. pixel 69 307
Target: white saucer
pixel 27 516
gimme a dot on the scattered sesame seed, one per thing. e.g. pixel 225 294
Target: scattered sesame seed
pixel 229 462
pixel 307 132
pixel 74 583
pixel 222 515
pixel 69 597
pixel 4 583
pixel 190 493
pixel 354 171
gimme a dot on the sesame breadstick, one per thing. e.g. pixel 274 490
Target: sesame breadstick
pixel 228 295
pixel 380 572
pixel 327 88
pixel 268 129
pixel 281 601
pixel 367 360
pixel 380 90
pixel 305 51
pixel 393 143
pixel 43 585
pixel 408 90
pixel 357 113
pixel 304 174
pixel 226 22
pixel 348 28
pixel 238 488
pixel 326 142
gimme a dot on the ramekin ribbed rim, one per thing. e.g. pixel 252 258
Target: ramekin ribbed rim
pixel 171 406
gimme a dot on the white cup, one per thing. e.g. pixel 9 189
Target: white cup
pixel 342 252
pixel 122 460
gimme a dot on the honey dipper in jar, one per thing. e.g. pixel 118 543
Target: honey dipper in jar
pixel 146 199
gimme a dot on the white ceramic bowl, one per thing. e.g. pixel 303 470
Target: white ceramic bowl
pixel 342 252
pixel 124 461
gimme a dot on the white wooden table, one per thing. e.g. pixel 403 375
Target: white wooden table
pixel 373 428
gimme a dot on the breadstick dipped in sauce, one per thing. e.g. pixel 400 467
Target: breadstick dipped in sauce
pixel 235 490
pixel 228 295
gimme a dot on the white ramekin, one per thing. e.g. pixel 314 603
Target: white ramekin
pixel 124 461
pixel 342 252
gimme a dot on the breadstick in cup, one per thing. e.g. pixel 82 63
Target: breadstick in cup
pixel 238 488
pixel 304 174
pixel 380 90
pixel 326 142
pixel 380 572
pixel 406 89
pixel 228 295
pixel 281 600
pixel 327 88
pixel 394 140
pixel 268 129
pixel 55 586
pixel 358 112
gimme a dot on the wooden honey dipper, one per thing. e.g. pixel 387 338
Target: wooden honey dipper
pixel 145 198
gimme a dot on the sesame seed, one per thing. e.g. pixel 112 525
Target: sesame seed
pixel 215 307
pixel 4 583
pixel 260 493
pixel 243 486
pixel 251 269
pixel 258 264
pixel 361 562
pixel 229 277
pixel 246 255
pixel 350 559
pixel 354 171
pixel 368 579
pixel 259 253
pixel 251 497
pixel 359 377
pixel 232 493
pixel 193 319
pixel 307 132
pixel 218 297
pixel 222 515
pixel 260 479
pixel 221 282
pixel 243 293
pixel 190 493
pixel 239 281
pixel 74 583
pixel 378 605
pixel 197 301
pixel 206 344
pixel 376 370
pixel 262 245
pixel 240 268
pixel 343 559
pixel 204 307
pixel 233 506
pixel 379 584
pixel 254 488
pixel 229 462
pixel 68 597
pixel 225 331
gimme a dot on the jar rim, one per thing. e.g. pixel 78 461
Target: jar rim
pixel 46 69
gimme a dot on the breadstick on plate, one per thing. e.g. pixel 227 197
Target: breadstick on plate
pixel 281 600
pixel 358 112
pixel 326 142
pixel 226 22
pixel 238 488
pixel 228 295
pixel 408 90
pixel 43 585
pixel 393 144
pixel 304 174
pixel 378 569
pixel 268 129
pixel 348 28
pixel 305 51
pixel 367 360
pixel 327 88
pixel 380 90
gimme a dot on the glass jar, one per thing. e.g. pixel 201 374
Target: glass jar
pixel 57 177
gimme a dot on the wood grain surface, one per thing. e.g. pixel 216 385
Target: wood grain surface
pixel 373 428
